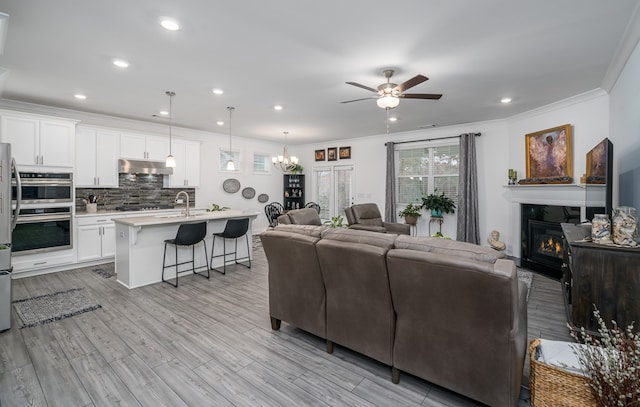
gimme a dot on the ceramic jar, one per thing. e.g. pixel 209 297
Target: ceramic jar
pixel 601 228
pixel 625 226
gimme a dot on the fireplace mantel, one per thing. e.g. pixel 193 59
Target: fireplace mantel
pixel 543 194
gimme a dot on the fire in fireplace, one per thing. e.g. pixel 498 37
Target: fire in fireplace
pixel 542 242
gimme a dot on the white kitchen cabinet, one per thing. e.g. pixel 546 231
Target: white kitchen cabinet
pixel 187 170
pixel 144 147
pixel 97 153
pixel 96 238
pixel 37 141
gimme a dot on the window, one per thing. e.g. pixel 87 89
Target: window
pixel 226 155
pixel 420 171
pixel 261 163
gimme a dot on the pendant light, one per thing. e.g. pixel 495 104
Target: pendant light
pixel 171 161
pixel 230 165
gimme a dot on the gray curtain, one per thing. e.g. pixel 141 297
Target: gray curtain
pixel 390 195
pixel 467 208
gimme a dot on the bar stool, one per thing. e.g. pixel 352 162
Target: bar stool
pixel 189 234
pixel 234 229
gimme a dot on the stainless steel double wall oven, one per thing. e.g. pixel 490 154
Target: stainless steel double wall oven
pixel 44 202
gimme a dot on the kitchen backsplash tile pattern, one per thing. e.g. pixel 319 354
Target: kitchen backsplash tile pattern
pixel 134 189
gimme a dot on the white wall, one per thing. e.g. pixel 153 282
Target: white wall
pixel 368 155
pixel 588 114
pixel 501 146
pixel 625 133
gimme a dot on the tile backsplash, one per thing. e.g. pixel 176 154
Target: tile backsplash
pixel 134 189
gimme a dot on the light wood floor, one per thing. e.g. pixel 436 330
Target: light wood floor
pixel 206 343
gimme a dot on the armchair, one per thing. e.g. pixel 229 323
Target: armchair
pixel 367 217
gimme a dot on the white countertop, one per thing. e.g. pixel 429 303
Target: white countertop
pixel 195 216
pixel 83 214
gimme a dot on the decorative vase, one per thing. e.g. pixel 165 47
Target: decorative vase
pixel 601 228
pixel 411 220
pixel 436 213
pixel 625 226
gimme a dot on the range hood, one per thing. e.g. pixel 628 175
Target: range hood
pixel 143 167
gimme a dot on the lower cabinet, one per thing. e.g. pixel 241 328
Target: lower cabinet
pixel 96 238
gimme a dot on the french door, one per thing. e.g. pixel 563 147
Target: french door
pixel 333 189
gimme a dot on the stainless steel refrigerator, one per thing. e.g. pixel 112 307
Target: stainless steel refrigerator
pixel 8 217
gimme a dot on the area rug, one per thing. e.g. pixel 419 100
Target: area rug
pixel 527 277
pixel 53 307
pixel 104 272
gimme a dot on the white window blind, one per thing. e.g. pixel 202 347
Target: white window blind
pixel 421 171
pixel 261 163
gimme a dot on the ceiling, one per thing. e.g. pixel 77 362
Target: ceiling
pixel 300 53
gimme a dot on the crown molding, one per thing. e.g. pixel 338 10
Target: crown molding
pixel 625 48
pixel 561 104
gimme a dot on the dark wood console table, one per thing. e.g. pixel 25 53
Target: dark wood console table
pixel 606 276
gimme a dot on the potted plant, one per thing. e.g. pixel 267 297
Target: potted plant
pixel 297 169
pixel 411 213
pixel 215 208
pixel 336 222
pixel 438 204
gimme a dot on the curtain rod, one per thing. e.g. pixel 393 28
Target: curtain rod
pixel 430 139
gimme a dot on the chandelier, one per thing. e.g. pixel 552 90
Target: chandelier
pixel 284 162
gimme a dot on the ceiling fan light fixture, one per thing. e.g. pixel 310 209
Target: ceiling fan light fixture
pixel 388 102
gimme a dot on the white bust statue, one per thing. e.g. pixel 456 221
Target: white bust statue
pixel 494 241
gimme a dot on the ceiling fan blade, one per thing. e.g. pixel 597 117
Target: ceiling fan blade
pixel 420 96
pixel 416 80
pixel 362 86
pixel 356 100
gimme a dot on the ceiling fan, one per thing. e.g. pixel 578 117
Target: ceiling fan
pixel 389 94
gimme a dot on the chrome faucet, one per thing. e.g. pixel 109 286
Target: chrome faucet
pixel 187 195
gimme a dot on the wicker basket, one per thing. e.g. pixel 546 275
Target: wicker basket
pixel 554 387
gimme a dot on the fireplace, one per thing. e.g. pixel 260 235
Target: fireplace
pixel 542 241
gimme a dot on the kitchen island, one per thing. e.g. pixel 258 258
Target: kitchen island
pixel 140 244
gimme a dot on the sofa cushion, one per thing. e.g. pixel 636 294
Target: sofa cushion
pixel 367 214
pixel 283 219
pixel 449 247
pixel 308 230
pixel 382 240
pixel 305 216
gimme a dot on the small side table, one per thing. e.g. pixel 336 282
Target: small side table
pixel 438 220
pixel 413 229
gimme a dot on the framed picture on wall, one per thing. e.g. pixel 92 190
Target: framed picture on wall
pixel 320 155
pixel 549 157
pixel 332 153
pixel 345 153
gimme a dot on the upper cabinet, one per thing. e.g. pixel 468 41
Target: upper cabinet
pixel 187 170
pixel 97 153
pixel 39 141
pixel 144 147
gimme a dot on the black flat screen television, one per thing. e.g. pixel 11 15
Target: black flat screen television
pixel 599 179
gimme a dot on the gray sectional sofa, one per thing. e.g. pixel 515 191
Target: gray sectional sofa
pixel 449 312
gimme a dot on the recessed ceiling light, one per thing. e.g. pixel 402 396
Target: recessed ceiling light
pixel 80 96
pixel 120 63
pixel 220 123
pixel 169 24
pixel 278 107
pixel 393 119
pixel 164 113
pixel 218 91
pixel 505 100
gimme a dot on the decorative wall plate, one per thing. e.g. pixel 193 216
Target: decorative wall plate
pixel 231 185
pixel 249 193
pixel 262 198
